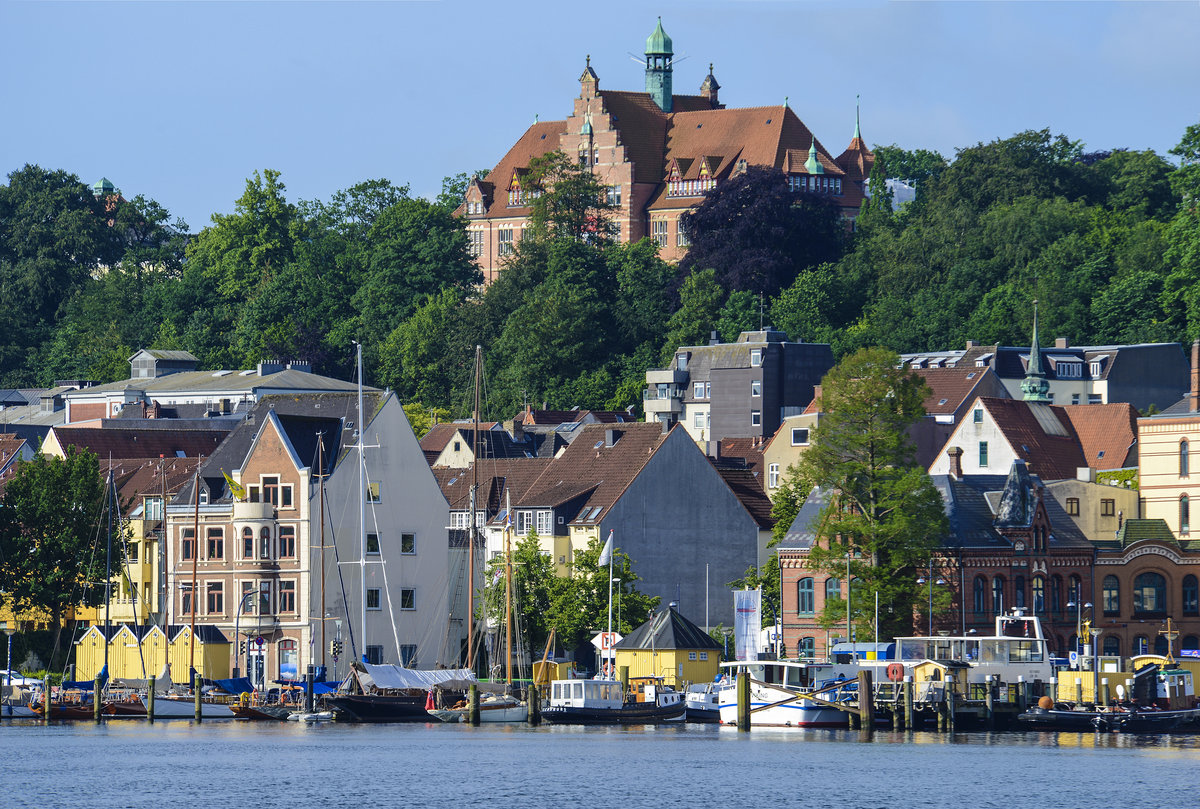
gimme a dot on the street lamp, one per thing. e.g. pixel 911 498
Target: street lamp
pixel 940 581
pixel 1079 608
pixel 10 631
pixel 237 621
pixel 1096 668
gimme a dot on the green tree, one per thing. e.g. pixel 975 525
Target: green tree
pixel 882 517
pixel 49 534
pixel 700 301
pixel 427 357
pixel 566 201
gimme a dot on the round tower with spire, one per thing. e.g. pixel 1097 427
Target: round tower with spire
pixel 659 55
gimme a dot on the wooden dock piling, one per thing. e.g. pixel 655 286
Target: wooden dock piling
pixel 196 696
pixel 150 702
pixel 866 700
pixel 473 705
pixel 908 702
pixel 990 701
pixel 96 700
pixel 743 701
pixel 950 707
pixel 46 699
pixel 534 698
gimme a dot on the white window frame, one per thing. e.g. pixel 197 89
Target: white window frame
pixel 756 387
pixel 545 522
pixel 773 476
pixel 755 357
pixel 378 592
pixel 799 443
pixel 755 418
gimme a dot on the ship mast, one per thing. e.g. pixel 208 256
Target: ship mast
pixel 362 510
pixel 321 495
pixel 195 558
pixel 471 531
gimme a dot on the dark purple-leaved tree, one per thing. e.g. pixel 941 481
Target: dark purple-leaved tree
pixel 758 234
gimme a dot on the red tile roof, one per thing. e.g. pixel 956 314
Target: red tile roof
pixel 113 442
pixel 748 450
pixel 748 488
pixel 496 476
pixel 949 387
pixel 138 477
pixel 1039 434
pixel 1107 433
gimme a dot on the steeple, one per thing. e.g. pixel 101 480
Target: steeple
pixel 857 132
pixel 710 87
pixel 1035 387
pixel 658 67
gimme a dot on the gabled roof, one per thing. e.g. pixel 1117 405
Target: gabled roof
pixel 1132 532
pixel 540 139
pixel 748 489
pixel 975 507
pixel 749 451
pixel 807 523
pixel 667 630
pixel 111 442
pixel 511 476
pixel 205 633
pixel 138 477
pixel 592 461
pixel 1039 434
pixel 1107 433
pixel 216 382
pixel 950 388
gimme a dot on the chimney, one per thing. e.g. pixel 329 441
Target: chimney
pixel 1061 342
pixel 972 344
pixel 518 428
pixel 713 339
pixel 955 454
pixel 1194 394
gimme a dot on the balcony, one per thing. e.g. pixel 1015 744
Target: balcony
pixel 656 400
pixel 259 512
pixel 666 376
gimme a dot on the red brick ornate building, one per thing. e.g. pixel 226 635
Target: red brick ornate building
pixel 658 153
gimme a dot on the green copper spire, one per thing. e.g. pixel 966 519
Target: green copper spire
pixel 586 129
pixel 1035 387
pixel 857 102
pixel 658 68
pixel 812 165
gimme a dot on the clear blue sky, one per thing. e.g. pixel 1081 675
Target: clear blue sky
pixel 182 101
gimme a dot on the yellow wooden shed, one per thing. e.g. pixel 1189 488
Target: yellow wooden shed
pixel 672 647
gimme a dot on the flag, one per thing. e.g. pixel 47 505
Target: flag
pixel 606 553
pixel 236 489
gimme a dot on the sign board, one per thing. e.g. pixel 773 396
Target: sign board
pixel 1074 656
pixel 260 640
pixel 604 641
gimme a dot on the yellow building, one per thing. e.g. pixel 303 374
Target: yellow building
pixel 134 658
pixel 672 647
pixel 1165 447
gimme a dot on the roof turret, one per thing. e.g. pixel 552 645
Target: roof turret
pixel 658 43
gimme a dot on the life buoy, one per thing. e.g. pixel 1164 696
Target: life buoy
pixel 607 669
pixel 245 699
pixel 895 672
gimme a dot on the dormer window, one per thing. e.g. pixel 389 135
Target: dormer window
pixel 1094 368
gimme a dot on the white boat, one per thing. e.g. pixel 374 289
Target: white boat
pixel 1016 650
pixel 185 708
pixel 777 689
pixel 497 708
pixel 604 702
pixel 702 703
pixel 315 716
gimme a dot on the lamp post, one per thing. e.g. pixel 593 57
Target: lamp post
pixel 929 579
pixel 337 636
pixel 1096 667
pixel 1079 607
pixel 237 621
pixel 10 631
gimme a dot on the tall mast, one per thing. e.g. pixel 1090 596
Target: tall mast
pixel 508 651
pixel 162 550
pixel 471 532
pixel 108 491
pixel 362 510
pixel 321 495
pixel 195 557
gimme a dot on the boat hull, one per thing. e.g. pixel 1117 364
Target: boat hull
pixel 517 712
pixel 277 713
pixel 629 714
pixel 178 708
pixel 369 708
pixel 1110 721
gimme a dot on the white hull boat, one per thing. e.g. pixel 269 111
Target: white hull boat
pixel 185 708
pixel 496 709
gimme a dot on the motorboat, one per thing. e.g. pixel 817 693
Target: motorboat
pixel 789 693
pixel 1162 700
pixel 493 708
pixel 702 703
pixel 605 702
pixel 1016 651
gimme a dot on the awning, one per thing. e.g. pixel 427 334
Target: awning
pixel 393 676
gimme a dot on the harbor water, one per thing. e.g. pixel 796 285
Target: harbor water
pixel 133 764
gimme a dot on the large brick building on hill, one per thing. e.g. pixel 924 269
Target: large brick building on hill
pixel 658 153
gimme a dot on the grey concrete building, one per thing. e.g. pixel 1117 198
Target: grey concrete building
pixel 736 390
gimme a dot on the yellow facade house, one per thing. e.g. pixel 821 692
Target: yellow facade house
pixel 672 647
pixel 131 658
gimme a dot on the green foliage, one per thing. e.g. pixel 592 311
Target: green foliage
pixel 421 418
pixel 49 552
pixel 575 605
pixel 700 301
pixel 568 202
pixel 1125 478
pixel 883 518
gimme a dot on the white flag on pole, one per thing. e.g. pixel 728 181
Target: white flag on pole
pixel 606 553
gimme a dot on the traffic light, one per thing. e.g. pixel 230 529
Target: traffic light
pixel 335 648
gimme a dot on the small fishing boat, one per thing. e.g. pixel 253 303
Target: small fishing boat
pixel 702 703
pixel 1162 700
pixel 604 702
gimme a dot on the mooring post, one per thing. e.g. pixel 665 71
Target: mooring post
pixel 150 701
pixel 950 706
pixel 623 675
pixel 46 701
pixel 473 704
pixel 908 702
pixel 866 700
pixel 1053 689
pixel 196 695
pixel 743 701
pixel 1022 694
pixel 1104 690
pixel 897 706
pixel 1078 688
pixel 309 677
pixel 533 696
pixel 96 700
pixel 990 700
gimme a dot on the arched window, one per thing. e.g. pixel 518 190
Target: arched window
pixel 1183 458
pixel 804 597
pixel 1039 595
pixel 1149 594
pixel 289 660
pixel 833 589
pixel 264 536
pixel 1160 646
pixel 1185 515
pixel 1190 643
pixel 1139 645
pixel 1191 596
pixel 247 543
pixel 1112 646
pixel 807 648
pixel 1056 602
pixel 998 595
pixel 1018 591
pixel 980 595
pixel 1111 603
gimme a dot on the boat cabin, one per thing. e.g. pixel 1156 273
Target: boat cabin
pixel 587 694
pixel 1017 648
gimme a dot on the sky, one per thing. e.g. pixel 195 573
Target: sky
pixel 183 101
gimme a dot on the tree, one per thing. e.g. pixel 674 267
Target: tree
pixel 700 301
pixel 883 519
pixel 914 167
pixel 427 358
pixel 566 200
pixel 48 532
pixel 758 234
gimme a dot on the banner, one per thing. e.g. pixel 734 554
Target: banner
pixel 747 624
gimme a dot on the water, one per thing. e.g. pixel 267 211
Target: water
pixel 132 764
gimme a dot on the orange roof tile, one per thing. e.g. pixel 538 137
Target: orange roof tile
pixel 1107 432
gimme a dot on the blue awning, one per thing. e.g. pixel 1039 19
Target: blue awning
pixel 238 685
